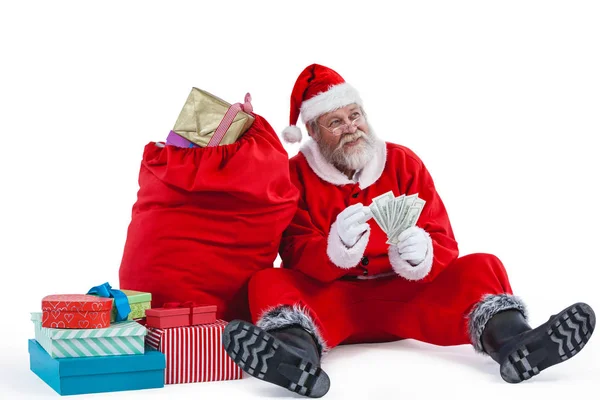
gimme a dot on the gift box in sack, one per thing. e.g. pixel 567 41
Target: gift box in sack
pixel 172 315
pixel 207 120
pixel 194 353
pixel 98 374
pixel 120 338
pixel 208 218
pixel 75 311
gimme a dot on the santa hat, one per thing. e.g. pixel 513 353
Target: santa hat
pixel 318 90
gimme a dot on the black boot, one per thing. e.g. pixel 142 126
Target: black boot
pixel 523 352
pixel 500 329
pixel 288 357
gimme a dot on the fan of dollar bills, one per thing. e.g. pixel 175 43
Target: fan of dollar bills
pixel 396 214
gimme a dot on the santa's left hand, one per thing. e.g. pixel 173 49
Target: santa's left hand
pixel 412 245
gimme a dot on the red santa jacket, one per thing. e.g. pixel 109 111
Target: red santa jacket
pixel 310 245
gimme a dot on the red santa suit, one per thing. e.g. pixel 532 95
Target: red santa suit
pixel 344 284
pixel 367 293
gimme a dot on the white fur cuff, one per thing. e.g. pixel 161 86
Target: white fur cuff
pixel 284 316
pixel 482 312
pixel 343 256
pixel 405 269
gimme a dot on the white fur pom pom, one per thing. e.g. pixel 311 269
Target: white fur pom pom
pixel 292 134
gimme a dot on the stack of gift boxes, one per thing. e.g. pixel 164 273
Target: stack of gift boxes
pixel 81 346
pixel 190 337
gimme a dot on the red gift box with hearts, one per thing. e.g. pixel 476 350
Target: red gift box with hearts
pixel 76 311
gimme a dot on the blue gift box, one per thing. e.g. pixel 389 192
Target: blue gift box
pixel 98 374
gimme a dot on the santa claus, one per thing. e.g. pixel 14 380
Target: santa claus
pixel 341 283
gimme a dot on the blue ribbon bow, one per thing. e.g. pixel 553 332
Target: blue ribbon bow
pixel 120 299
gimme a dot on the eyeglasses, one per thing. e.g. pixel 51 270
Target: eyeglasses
pixel 336 127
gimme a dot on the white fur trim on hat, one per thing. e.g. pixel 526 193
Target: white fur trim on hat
pixel 336 97
pixel 408 271
pixel 292 134
pixel 343 256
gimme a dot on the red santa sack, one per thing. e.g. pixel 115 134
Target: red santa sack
pixel 207 218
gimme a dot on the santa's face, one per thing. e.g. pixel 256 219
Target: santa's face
pixel 345 138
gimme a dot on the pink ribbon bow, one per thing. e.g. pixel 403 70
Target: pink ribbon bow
pixel 228 119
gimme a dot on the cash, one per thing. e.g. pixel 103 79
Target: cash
pixel 396 214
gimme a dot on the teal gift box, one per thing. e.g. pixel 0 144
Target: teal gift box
pixel 120 338
pixel 98 374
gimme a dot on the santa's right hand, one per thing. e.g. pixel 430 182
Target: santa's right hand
pixel 351 223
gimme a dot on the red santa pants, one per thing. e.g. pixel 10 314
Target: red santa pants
pixel 386 309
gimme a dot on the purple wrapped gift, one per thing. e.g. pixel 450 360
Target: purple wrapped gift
pixel 174 139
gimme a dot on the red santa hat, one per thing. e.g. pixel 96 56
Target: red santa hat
pixel 318 90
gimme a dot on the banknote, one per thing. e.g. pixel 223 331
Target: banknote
pixel 376 214
pixel 396 214
pixel 410 219
pixel 398 209
pixel 380 209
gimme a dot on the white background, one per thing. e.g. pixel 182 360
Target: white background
pixel 500 99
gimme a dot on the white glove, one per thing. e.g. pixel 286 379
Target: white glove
pixel 352 223
pixel 412 245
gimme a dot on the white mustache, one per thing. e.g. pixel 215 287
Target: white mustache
pixel 351 137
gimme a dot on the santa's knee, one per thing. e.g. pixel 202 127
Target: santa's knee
pixel 274 287
pixel 271 279
pixel 263 278
pixel 478 268
pixel 481 263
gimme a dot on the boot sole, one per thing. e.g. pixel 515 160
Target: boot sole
pixel 265 357
pixel 556 341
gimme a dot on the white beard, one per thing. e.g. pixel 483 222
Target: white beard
pixel 352 158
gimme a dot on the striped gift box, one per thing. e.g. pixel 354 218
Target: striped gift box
pixel 194 353
pixel 120 338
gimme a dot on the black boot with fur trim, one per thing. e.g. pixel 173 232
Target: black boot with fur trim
pixel 288 355
pixel 523 352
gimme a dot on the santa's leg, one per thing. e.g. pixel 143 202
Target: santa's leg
pixel 285 345
pixel 288 357
pixel 523 352
pixel 472 302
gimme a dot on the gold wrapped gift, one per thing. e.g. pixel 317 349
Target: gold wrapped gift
pixel 202 114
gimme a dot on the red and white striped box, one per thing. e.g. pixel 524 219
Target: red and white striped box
pixel 194 353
